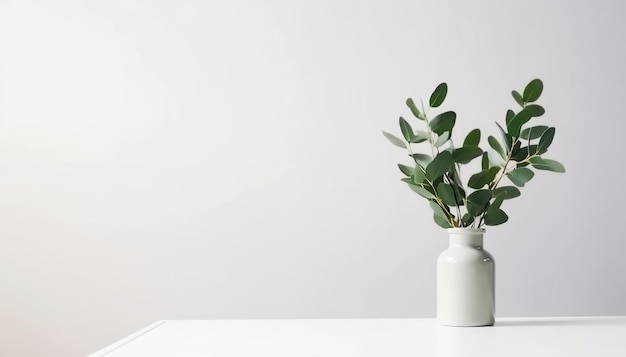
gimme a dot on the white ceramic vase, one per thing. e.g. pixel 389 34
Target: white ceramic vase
pixel 465 281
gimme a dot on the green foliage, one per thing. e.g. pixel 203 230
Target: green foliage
pixel 443 122
pixel 414 110
pixel 395 140
pixel 533 90
pixel 508 191
pixel 466 154
pixel 406 170
pixel 541 163
pixel 546 140
pixel 435 176
pixel 482 178
pixel 520 176
pixel 439 166
pixel 473 138
pixel 493 142
pixel 534 132
pixel 438 96
pixel 477 202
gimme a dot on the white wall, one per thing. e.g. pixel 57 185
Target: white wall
pixel 205 159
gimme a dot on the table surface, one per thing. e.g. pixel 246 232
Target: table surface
pixel 554 336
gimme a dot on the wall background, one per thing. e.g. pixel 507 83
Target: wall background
pixel 194 159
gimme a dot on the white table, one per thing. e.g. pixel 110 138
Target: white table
pixel 510 337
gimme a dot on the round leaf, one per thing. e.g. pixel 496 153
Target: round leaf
pixel 546 140
pixel 483 178
pixel 546 164
pixel 533 132
pixel 466 154
pixel 508 192
pixel 467 220
pixel 520 176
pixel 446 192
pixel 495 216
pixel 515 124
pixel 477 201
pixel 473 138
pixel 533 90
pixel 441 222
pixel 439 166
pixel 443 122
pixel 438 96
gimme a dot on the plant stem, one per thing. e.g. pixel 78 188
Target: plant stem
pixel 494 184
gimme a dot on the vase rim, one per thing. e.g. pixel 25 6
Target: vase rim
pixel 465 229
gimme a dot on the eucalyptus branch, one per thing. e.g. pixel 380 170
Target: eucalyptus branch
pixel 445 165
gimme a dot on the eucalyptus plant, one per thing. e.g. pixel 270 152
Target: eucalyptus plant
pixel 435 172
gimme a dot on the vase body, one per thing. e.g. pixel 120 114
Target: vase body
pixel 465 280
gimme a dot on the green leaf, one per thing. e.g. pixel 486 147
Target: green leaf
pixel 438 96
pixel 441 222
pixel 509 116
pixel 522 153
pixel 395 140
pixel 485 161
pixel 520 176
pixel 438 210
pixel 497 202
pixel 467 220
pixel 439 166
pixel 417 175
pixel 420 190
pixel 446 192
pixel 419 137
pixel 407 170
pixel 406 129
pixel 414 110
pixel 495 216
pixel 495 160
pixel 473 138
pixel 518 98
pixel 456 183
pixel 546 164
pixel 480 179
pixel 535 110
pixel 533 90
pixel 515 124
pixel 508 192
pixel 493 142
pixel 546 140
pixel 443 122
pixel 477 201
pixel 442 139
pixel 422 159
pixel 466 154
pixel 534 132
pixel 508 139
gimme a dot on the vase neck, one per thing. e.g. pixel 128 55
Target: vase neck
pixel 466 238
